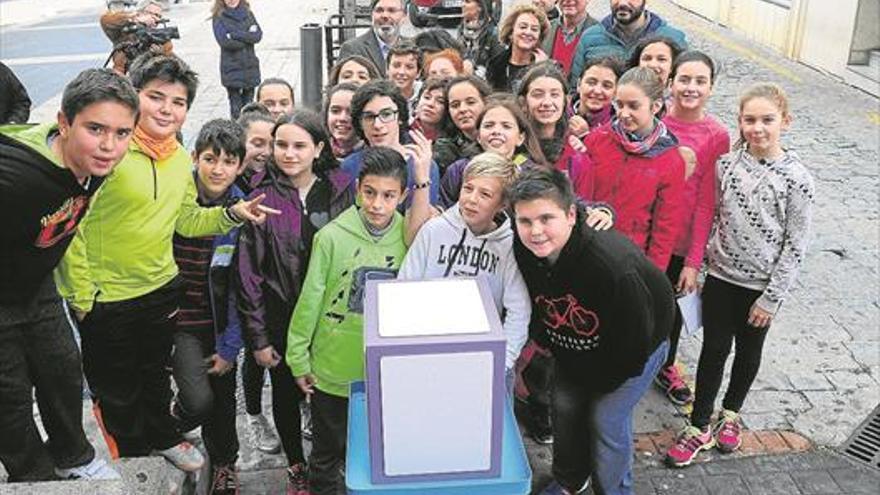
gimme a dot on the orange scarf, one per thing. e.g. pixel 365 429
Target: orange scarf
pixel 152 147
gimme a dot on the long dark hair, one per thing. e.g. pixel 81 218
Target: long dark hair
pixel 531 147
pixel 552 147
pixel 310 122
pixel 220 5
pixel 448 127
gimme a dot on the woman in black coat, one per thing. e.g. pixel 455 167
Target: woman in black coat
pixel 237 31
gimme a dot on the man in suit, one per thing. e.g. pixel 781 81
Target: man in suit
pixel 375 44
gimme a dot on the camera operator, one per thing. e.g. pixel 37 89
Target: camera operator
pixel 126 28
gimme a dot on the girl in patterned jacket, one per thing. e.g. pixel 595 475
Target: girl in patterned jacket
pixel 762 224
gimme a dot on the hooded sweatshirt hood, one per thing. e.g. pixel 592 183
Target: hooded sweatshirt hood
pixel 446 247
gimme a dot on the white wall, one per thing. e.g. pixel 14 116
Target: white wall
pixel 828 31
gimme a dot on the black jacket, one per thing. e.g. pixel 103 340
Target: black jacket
pixel 42 203
pixel 236 31
pixel 15 104
pixel 602 308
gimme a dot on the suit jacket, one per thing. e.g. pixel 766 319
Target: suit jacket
pixel 366 45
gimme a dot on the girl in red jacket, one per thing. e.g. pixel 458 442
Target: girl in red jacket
pixel 635 167
pixel 691 79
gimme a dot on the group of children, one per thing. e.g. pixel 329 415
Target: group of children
pixel 585 208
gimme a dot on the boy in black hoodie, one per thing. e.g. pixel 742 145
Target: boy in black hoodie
pixel 604 311
pixel 48 174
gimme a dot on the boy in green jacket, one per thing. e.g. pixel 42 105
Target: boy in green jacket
pixel 325 347
pixel 119 275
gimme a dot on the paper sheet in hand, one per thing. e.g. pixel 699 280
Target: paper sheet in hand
pixel 691 307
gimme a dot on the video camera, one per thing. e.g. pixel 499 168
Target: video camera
pixel 141 37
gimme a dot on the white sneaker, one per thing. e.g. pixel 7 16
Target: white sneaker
pixel 98 469
pixel 263 435
pixel 184 456
pixel 193 436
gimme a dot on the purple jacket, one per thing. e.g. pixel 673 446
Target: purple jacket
pixel 273 258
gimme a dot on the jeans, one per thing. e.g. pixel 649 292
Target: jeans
pixel 202 399
pixel 329 429
pixel 725 315
pixel 38 351
pixel 238 98
pixel 126 355
pixel 593 431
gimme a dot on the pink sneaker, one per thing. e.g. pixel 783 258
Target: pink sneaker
pixel 728 431
pixel 690 442
pixel 673 385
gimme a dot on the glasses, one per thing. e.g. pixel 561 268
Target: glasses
pixel 385 116
pixel 386 10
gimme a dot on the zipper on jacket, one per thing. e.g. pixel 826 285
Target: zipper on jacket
pixel 155 180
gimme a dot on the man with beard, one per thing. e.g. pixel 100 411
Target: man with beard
pixel 619 33
pixel 376 43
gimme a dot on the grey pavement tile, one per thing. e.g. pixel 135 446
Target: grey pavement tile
pixel 778 483
pixel 854 480
pixel 744 466
pixel 692 485
pixel 815 482
pixel 643 487
pixel 725 484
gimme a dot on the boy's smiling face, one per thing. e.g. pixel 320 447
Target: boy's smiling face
pixel 379 197
pixel 216 172
pixel 480 200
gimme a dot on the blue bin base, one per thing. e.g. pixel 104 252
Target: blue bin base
pixel 515 479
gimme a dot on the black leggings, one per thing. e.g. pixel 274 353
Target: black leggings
pixel 673 271
pixel 725 319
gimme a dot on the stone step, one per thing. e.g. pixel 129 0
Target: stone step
pixel 142 475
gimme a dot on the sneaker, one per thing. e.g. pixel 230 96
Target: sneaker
pixel 98 469
pixel 690 442
pixel 262 435
pixel 225 481
pixel 193 436
pixel 728 431
pixel 298 480
pixel 673 385
pixel 542 436
pixel 554 488
pixel 184 456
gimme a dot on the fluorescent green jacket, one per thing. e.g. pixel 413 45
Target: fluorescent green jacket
pixel 123 247
pixel 326 336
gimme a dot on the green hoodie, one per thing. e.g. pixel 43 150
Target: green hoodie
pixel 326 337
pixel 123 248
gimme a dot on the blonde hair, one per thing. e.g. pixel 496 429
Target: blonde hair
pixel 505 31
pixel 771 92
pixel 491 164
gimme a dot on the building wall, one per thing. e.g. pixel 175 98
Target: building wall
pixel 816 32
pixel 828 31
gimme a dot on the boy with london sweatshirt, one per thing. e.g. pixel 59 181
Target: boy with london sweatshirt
pixel 474 238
